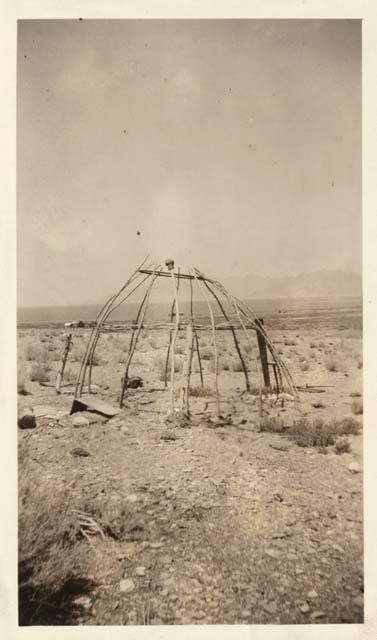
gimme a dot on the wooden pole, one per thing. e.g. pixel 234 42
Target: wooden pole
pixel 263 354
pixel 135 337
pixel 60 374
pixel 236 343
pixel 185 388
pixel 173 343
pixel 195 335
pixel 214 341
pixel 170 337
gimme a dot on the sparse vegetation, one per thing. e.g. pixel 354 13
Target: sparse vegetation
pixel 199 392
pixel 357 407
pixel 342 445
pixel 39 372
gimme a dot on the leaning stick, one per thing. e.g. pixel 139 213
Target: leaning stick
pixel 236 343
pixel 174 340
pixel 229 296
pixel 143 309
pixel 216 374
pixel 59 377
pixel 95 329
pixel 195 335
pixel 170 336
pixel 110 309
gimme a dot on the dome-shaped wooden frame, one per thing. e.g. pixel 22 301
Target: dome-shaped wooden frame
pixel 242 319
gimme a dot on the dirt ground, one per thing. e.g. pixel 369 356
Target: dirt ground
pixel 210 524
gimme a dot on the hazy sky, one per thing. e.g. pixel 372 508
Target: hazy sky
pixel 231 145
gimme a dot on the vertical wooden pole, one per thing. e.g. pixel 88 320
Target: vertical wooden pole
pixel 214 342
pixel 185 388
pixel 174 340
pixel 195 335
pixel 59 377
pixel 263 353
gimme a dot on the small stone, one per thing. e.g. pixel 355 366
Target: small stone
pixel 245 614
pixel 80 452
pixel 126 585
pixel 140 571
pixel 359 601
pixel 298 571
pixel 156 545
pixel 273 553
pixel 124 430
pixel 270 607
pixel 312 595
pixel 199 614
pixel 80 421
pixel 317 614
pixel 83 601
pixel 337 547
pixel 132 497
pixel 26 418
pixel 165 592
pixel 304 608
pixel 354 467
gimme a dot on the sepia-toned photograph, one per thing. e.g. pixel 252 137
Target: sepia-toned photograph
pixel 189 322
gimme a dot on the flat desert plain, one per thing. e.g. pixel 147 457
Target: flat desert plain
pixel 253 519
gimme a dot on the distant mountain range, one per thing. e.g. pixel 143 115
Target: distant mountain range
pixel 318 284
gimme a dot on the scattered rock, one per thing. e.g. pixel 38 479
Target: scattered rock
pixel 126 585
pixel 179 419
pixel 359 601
pixel 354 467
pixel 270 607
pixel 83 601
pixel 124 430
pixel 280 447
pixel 312 595
pixel 156 545
pixel 80 452
pixel 135 382
pixel 245 614
pixel 337 547
pixel 168 435
pixel 80 421
pixel 140 571
pixel 273 553
pixel 132 497
pixel 304 608
pixel 317 614
pixel 26 418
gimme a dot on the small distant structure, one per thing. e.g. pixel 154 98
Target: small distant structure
pixel 74 324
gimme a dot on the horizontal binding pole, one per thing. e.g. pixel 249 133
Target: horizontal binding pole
pixel 167 274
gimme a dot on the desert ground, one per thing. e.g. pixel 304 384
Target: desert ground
pixel 250 520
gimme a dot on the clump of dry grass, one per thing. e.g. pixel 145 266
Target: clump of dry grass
pixel 290 342
pixel 39 372
pixel 333 363
pixel 51 565
pixel 272 425
pixel 304 365
pixel 206 353
pixel 357 407
pixel 355 394
pixel 199 392
pixel 312 434
pixel 342 445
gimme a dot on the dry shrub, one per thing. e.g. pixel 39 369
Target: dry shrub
pixel 312 434
pixel 304 365
pixel 357 407
pixel 39 372
pixel 237 366
pixel 199 392
pixel 206 353
pixel 333 363
pixel 272 425
pixel 290 342
pixel 318 404
pixel 355 394
pixel 51 568
pixel 347 426
pixel 342 445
